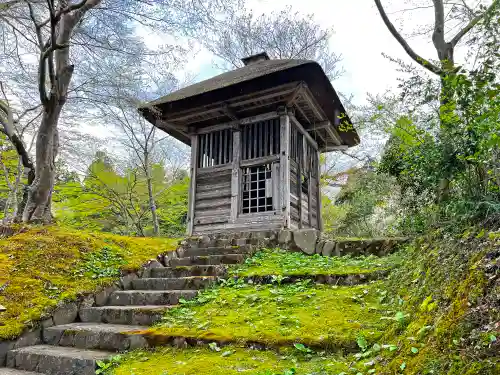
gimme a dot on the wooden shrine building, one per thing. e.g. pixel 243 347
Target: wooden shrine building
pixel 256 134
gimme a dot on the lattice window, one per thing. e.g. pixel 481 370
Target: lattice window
pixel 257 189
pixel 260 139
pixel 215 148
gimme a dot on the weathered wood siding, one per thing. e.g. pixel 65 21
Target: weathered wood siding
pixel 213 198
pixel 254 174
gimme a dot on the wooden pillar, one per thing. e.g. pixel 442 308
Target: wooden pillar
pixel 192 184
pixel 318 195
pixel 235 177
pixel 285 168
pixel 309 197
pixel 300 159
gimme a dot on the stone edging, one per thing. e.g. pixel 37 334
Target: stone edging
pixel 308 241
pixel 341 279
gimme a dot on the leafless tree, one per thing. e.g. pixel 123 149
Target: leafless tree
pixel 453 18
pixel 141 140
pixel 283 35
pixel 63 53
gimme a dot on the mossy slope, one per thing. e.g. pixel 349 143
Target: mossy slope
pixel 449 290
pixel 45 265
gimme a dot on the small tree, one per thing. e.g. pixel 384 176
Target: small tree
pixel 448 17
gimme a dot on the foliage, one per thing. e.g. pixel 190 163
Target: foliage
pixel 10 193
pixel 110 58
pixel 363 208
pixel 110 201
pixel 43 266
pixel 103 263
pixel 447 165
pixel 447 290
pixel 286 263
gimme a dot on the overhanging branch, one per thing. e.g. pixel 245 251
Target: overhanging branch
pixel 417 58
pixel 473 23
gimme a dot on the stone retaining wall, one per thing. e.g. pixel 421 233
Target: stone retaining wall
pixel 308 241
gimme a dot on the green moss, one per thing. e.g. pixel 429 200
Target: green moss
pixel 45 265
pixel 447 288
pixel 319 316
pixel 228 361
pixel 286 263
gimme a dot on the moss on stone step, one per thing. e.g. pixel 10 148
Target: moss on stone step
pixel 227 360
pixel 318 316
pixel 286 263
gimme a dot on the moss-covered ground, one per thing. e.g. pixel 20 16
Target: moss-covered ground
pixel 286 263
pixel 43 266
pixel 322 316
pixel 228 360
pixel 448 290
pixel 438 313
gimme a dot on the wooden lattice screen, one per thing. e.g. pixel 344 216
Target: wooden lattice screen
pixel 215 148
pixel 260 139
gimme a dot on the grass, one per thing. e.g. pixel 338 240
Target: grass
pixel 46 265
pixel 319 316
pixel 285 263
pixel 226 361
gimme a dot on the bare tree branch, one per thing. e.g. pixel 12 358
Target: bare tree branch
pixel 473 23
pixel 417 58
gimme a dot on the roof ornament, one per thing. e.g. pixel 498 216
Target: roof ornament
pixel 263 56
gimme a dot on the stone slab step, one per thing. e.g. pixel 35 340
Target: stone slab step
pixel 208 260
pixel 205 251
pixel 190 283
pixel 187 271
pixel 56 360
pixel 143 315
pixel 150 297
pixel 113 337
pixel 13 371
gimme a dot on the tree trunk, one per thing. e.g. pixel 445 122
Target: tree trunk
pixel 152 203
pixel 445 53
pixel 39 193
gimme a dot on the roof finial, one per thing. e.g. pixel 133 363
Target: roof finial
pixel 255 58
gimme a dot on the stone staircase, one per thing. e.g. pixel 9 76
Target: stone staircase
pixel 101 331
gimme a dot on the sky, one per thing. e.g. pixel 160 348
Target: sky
pixel 360 36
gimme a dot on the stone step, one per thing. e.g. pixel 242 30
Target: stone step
pixel 135 315
pixel 112 337
pixel 56 360
pixel 189 283
pixel 188 271
pixel 208 260
pixel 13 371
pixel 150 297
pixel 205 251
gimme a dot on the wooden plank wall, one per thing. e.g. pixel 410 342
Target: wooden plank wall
pixel 213 198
